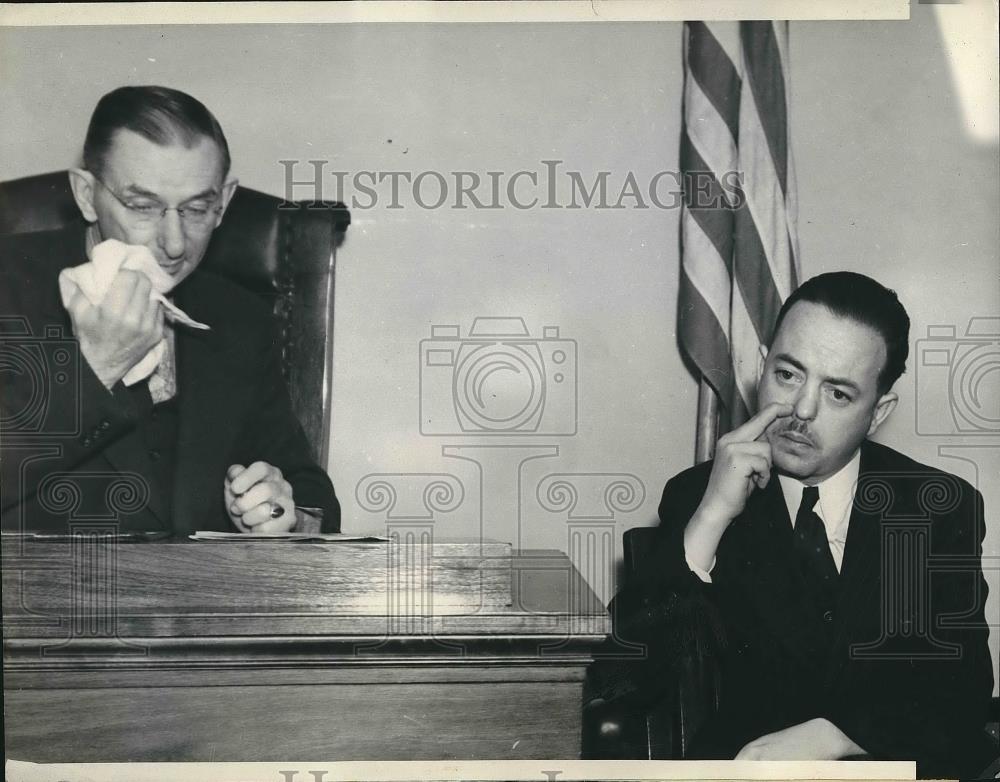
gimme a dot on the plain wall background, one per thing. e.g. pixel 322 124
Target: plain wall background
pixel 889 184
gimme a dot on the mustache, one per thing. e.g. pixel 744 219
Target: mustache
pixel 800 428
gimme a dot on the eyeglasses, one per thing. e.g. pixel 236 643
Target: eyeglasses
pixel 145 212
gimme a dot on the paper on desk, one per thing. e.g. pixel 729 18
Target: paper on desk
pixel 325 537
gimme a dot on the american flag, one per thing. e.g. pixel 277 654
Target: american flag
pixel 739 252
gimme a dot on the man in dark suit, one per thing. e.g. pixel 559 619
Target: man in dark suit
pixel 839 581
pixel 209 440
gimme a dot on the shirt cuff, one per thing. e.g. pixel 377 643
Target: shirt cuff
pixel 704 575
pixel 308 520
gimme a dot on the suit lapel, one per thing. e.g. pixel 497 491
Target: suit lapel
pixel 859 573
pixel 203 390
pixel 126 454
pixel 779 588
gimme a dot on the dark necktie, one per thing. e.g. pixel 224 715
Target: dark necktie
pixel 812 546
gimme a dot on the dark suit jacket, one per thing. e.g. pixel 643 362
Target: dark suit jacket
pixel 66 434
pixel 901 666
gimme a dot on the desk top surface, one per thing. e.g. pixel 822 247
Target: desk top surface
pixel 175 589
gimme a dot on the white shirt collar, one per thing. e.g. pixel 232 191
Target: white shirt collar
pixel 836 498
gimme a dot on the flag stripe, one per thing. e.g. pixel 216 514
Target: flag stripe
pixel 765 193
pixel 710 274
pixel 791 195
pixel 709 135
pixel 745 351
pixel 762 193
pixel 716 223
pixel 710 352
pixel 715 74
pixel 753 274
pixel 764 75
pixel 781 39
pixel 739 250
pixel 727 35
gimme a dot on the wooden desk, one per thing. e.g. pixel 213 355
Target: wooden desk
pixel 248 651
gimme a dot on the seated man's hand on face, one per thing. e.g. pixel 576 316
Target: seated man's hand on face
pixel 115 335
pixel 742 463
pixel 817 739
pixel 258 499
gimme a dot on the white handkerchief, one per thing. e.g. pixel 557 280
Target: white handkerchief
pixel 94 279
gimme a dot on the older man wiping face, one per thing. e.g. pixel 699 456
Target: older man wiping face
pixel 155 173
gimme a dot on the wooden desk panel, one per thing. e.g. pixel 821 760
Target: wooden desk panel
pixel 292 670
pixel 377 721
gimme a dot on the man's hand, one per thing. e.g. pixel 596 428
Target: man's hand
pixel 817 739
pixel 115 335
pixel 742 461
pixel 258 498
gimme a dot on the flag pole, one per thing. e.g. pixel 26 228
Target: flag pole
pixel 708 423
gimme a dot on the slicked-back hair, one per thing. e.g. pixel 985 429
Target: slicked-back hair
pixel 160 114
pixel 863 300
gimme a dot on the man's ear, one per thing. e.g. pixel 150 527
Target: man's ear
pixel 228 189
pixel 83 183
pixel 885 405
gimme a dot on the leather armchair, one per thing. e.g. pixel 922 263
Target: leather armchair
pixel 284 252
pixel 624 721
pixel 621 722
